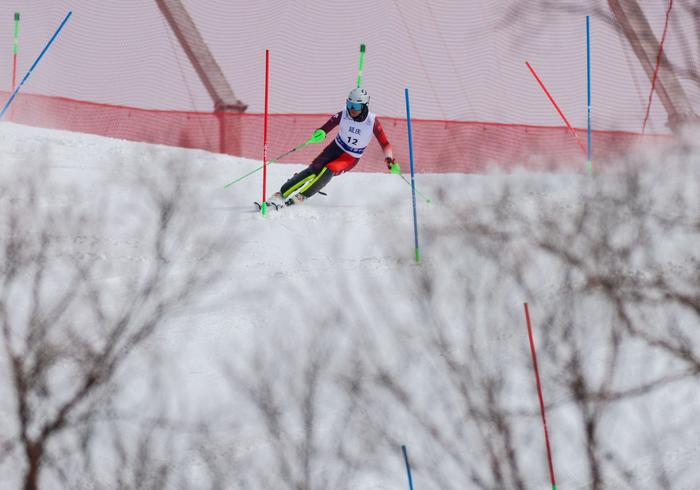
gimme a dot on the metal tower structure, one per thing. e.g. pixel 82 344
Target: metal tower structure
pixel 209 72
pixel 646 47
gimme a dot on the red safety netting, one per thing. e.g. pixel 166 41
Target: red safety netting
pixel 439 146
pixel 118 70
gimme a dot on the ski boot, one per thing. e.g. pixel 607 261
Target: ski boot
pixel 276 200
pixel 296 199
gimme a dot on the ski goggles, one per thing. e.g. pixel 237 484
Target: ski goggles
pixel 355 106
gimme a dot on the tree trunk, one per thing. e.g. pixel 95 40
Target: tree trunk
pixel 34 453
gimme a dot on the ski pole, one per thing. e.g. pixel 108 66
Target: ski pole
pixel 426 198
pixel 270 162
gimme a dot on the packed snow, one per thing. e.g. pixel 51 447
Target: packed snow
pixel 320 346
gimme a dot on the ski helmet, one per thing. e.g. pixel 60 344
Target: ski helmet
pixel 358 98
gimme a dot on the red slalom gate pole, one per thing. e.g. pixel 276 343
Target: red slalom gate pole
pixel 556 106
pixel 539 394
pixel 263 206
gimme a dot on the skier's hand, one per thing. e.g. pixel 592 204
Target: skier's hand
pixel 392 165
pixel 318 136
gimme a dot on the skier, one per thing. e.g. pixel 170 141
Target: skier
pixel 356 125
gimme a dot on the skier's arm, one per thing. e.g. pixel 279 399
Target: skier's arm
pixel 386 146
pixel 332 122
pixel 382 139
pixel 320 134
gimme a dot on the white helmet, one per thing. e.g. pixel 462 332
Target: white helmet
pixel 358 96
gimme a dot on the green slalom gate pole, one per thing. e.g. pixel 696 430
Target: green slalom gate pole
pixel 36 62
pixel 15 46
pixel 362 62
pixel 271 161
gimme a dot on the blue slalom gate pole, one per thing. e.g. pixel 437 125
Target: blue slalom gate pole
pixel 588 69
pixel 413 175
pixel 408 467
pixel 36 62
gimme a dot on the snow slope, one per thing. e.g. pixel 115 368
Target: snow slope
pixel 308 277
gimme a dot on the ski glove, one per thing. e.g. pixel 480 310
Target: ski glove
pixel 392 165
pixel 318 136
